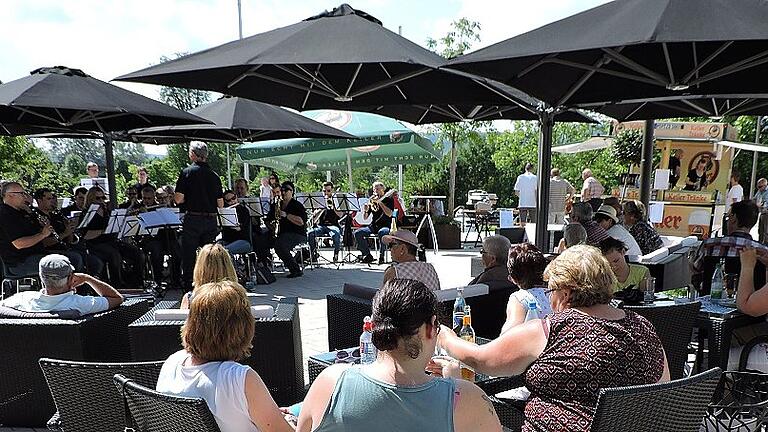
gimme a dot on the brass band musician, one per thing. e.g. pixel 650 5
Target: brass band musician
pixel 161 244
pixel 380 208
pixel 326 222
pixel 290 218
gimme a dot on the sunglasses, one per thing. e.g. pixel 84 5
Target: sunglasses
pixel 100 198
pixel 344 356
pixel 483 252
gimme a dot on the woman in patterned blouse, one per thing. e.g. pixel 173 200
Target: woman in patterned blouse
pixel 635 222
pixel 583 346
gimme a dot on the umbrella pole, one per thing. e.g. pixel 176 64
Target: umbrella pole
pixel 110 156
pixel 546 125
pixel 229 169
pixel 755 157
pixel 646 164
pixel 349 172
pixel 400 179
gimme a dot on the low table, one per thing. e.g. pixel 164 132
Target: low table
pixel 490 385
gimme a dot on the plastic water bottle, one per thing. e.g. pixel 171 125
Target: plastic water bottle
pixel 393 225
pixel 716 292
pixel 458 310
pixel 532 310
pixel 368 352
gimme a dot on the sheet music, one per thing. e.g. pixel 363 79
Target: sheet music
pixel 312 201
pixel 132 227
pixel 88 216
pixel 228 217
pixel 347 201
pixel 257 206
pixel 162 217
pixel 116 221
pixel 506 219
pixel 98 181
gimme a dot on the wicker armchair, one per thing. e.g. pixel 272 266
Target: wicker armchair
pixel 740 403
pixel 151 411
pixel 85 396
pixel 24 396
pixel 276 353
pixel 675 406
pixel 674 326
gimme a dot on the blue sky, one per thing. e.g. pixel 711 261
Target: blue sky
pixel 108 38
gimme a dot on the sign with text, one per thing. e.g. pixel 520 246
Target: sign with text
pixel 680 220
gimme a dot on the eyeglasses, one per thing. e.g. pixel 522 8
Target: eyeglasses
pixel 344 356
pixel 232 198
pixel 483 252
pixel 25 193
pixel 100 198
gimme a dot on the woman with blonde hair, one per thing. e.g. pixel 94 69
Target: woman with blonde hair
pixel 584 345
pixel 213 264
pixel 218 333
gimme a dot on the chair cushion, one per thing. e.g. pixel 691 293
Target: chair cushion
pixel 359 291
pixel 69 314
pixel 260 311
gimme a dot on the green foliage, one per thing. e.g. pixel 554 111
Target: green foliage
pixel 22 161
pixel 627 147
pixel 458 40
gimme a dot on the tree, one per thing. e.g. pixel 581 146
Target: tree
pixel 22 161
pixel 90 150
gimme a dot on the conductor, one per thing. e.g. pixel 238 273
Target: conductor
pixel 199 194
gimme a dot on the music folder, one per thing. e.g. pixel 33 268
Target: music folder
pixel 227 217
pixel 160 218
pixel 88 216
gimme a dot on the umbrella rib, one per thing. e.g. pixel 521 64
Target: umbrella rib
pixel 669 62
pixel 36 114
pixel 584 78
pixel 639 107
pixel 706 61
pixel 397 86
pixel 752 108
pixel 424 114
pixel 751 62
pixel 694 106
pixel 243 76
pixel 390 82
pixel 306 96
pixel 474 111
pixel 605 71
pixel 637 67
pixel 514 101
pixel 354 78
pixel 310 78
pixel 737 106
pixel 536 64
pixel 457 112
pixel 290 84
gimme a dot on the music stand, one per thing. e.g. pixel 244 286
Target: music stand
pixel 162 219
pixel 101 182
pixel 428 218
pixel 227 218
pixel 116 221
pixel 88 216
pixel 348 203
pixel 132 227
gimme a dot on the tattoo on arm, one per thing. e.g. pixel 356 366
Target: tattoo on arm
pixel 491 409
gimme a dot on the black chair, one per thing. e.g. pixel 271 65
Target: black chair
pixel 150 411
pixel 9 280
pixel 674 326
pixel 675 406
pixel 85 396
pixel 740 403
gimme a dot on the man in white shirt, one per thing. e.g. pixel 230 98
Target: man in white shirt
pixel 606 217
pixel 525 189
pixel 58 294
pixel 734 195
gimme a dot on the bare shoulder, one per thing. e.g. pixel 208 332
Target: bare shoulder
pixel 474 410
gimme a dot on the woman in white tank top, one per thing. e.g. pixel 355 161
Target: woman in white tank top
pixel 526 266
pixel 219 331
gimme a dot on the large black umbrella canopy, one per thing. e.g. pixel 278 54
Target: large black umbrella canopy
pixel 344 59
pixel 235 119
pixel 450 113
pixel 66 101
pixel 634 49
pixel 690 106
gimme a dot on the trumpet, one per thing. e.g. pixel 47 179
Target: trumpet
pixel 329 203
pixel 375 200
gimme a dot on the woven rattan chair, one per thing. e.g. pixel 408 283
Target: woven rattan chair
pixel 151 411
pixel 675 406
pixel 85 396
pixel 25 400
pixel 674 326
pixel 740 403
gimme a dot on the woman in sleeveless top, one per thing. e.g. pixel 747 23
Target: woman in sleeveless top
pixel 583 346
pixel 394 393
pixel 218 332
pixel 403 246
pixel 526 270
pixel 213 264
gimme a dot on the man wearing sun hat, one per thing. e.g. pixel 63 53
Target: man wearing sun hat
pixel 58 293
pixel 403 245
pixel 606 217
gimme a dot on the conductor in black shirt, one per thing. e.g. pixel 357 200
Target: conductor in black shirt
pixel 199 194
pixel 291 219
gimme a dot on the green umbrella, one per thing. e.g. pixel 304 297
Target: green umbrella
pixel 382 141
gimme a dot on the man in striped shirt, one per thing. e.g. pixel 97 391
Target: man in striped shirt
pixel 559 192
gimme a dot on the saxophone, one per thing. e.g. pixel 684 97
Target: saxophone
pixel 278 204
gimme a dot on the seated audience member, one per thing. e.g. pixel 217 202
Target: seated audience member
pixel 58 293
pixel 626 274
pixel 753 301
pixel 573 234
pixel 741 218
pixel 213 264
pixel 394 393
pixel 614 202
pixel 78 202
pixel 218 333
pixel 21 233
pixel 526 269
pixel 566 359
pixel 582 213
pixel 635 221
pixel 607 218
pixel 403 245
pixel 494 255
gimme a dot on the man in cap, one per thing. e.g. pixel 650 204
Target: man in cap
pixel 607 218
pixel 58 293
pixel 403 245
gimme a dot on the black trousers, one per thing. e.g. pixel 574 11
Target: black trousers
pixel 198 231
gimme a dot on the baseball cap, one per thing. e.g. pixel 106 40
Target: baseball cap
pixel 55 267
pixel 403 236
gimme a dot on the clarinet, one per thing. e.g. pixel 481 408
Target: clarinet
pixel 44 220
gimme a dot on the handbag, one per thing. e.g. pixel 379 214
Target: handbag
pixel 264 275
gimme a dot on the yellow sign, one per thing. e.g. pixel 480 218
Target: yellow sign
pixel 688 197
pixel 683 221
pixel 684 130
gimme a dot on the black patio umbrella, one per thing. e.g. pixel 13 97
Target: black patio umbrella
pixel 344 59
pixel 632 50
pixel 235 119
pixel 689 106
pixel 67 102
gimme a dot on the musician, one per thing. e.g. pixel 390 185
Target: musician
pixel 291 218
pixel 326 222
pixel 143 177
pixel 164 196
pixel 161 244
pixel 132 200
pixel 382 219
pixel 92 169
pixel 107 246
pixel 259 240
pixel 65 229
pixel 236 240
pixel 21 236
pixel 78 201
pixel 199 193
